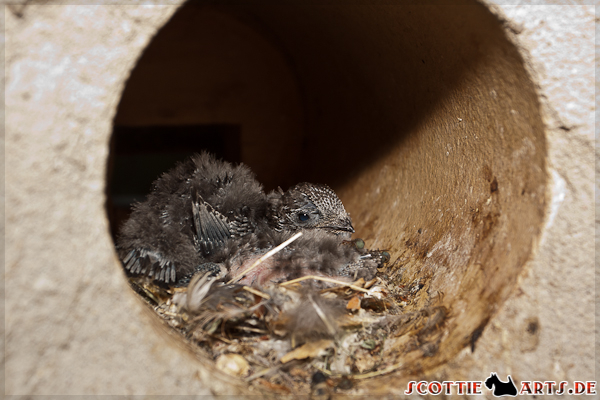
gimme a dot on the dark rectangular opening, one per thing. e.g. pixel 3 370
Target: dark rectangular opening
pixel 140 154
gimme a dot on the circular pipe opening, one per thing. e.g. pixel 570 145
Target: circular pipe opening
pixel 421 117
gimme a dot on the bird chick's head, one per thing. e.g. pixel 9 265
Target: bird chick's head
pixel 310 206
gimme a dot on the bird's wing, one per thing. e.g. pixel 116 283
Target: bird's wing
pixel 212 228
pixel 241 225
pixel 150 263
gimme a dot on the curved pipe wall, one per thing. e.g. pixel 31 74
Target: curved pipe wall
pixel 423 118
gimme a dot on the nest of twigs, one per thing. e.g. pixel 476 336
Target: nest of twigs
pixel 309 334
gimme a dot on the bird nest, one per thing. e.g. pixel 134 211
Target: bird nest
pixel 312 334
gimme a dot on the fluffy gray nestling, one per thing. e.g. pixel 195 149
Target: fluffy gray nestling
pixel 206 211
pixel 161 240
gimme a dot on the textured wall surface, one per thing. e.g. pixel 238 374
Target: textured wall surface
pixel 547 328
pixel 66 332
pixel 73 327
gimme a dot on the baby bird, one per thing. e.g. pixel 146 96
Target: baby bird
pixel 204 206
pixel 309 206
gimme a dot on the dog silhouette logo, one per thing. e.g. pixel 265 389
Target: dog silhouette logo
pixel 501 388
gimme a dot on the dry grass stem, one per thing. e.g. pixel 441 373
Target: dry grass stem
pixel 263 258
pixel 257 292
pixel 324 279
pixel 323 317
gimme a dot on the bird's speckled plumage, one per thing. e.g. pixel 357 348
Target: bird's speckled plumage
pixel 206 211
pixel 309 206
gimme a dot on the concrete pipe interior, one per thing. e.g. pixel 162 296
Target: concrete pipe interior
pixel 422 117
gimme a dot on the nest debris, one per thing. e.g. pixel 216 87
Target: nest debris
pixel 307 335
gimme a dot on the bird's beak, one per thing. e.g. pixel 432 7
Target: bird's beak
pixel 349 225
pixel 342 228
pixel 345 226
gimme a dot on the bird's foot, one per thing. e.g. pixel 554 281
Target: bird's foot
pixel 366 266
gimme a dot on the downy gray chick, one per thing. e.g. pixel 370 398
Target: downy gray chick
pixel 207 214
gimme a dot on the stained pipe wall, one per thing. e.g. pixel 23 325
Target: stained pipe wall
pixel 422 118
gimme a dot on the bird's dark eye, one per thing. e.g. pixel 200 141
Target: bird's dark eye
pixel 303 217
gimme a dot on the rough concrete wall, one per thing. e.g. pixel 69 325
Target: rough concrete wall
pixel 72 327
pixel 66 332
